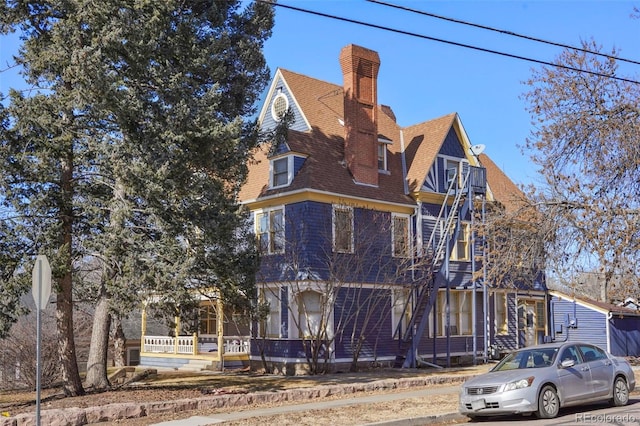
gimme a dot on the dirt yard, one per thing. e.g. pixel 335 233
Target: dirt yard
pixel 168 386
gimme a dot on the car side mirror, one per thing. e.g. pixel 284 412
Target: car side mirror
pixel 567 363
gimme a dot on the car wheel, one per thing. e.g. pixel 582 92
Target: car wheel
pixel 548 403
pixel 620 392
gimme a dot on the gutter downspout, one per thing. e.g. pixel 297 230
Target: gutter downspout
pixel 608 330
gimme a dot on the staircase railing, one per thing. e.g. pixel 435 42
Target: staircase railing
pixel 424 295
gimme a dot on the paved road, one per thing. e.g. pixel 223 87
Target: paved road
pixel 600 415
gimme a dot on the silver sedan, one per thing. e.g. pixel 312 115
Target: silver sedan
pixel 541 379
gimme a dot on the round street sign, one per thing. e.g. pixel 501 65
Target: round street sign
pixel 41 284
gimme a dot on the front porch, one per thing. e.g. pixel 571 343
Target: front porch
pixel 211 348
pixel 192 352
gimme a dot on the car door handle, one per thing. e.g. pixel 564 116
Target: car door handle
pixel 584 369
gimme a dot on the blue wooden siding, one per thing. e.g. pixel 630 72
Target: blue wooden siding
pixel 452 146
pixel 308 231
pixel 298 162
pixel 431 347
pixel 624 335
pixel 279 348
pixel 363 311
pixel 591 325
pixel 440 174
pixel 509 341
pixel 431 181
pixel 268 123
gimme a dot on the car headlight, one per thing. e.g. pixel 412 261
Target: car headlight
pixel 518 384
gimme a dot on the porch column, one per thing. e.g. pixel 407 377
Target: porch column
pixel 143 326
pixel 195 343
pixel 220 321
pixel 176 333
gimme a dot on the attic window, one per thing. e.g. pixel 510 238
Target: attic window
pixel 279 106
pixel 382 154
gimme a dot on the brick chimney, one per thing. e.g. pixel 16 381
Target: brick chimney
pixel 360 73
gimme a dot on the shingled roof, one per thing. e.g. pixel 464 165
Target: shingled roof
pixel 321 107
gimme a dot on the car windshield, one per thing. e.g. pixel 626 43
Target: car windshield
pixel 527 358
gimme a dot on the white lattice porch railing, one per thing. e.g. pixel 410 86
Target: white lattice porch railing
pixel 185 345
pixel 168 344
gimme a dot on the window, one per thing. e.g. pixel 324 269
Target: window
pixel 540 317
pixel 270 231
pixel 343 229
pixel 270 326
pixel 570 353
pixel 500 302
pixel 279 106
pixel 382 156
pixel 280 172
pixel 400 236
pixel 208 320
pixel 459 313
pixel 461 249
pixel 310 313
pixel 400 316
pixel 451 172
pixel 591 353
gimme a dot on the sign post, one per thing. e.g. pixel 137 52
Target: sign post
pixel 41 290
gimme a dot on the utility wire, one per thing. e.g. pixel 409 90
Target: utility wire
pixel 484 27
pixel 468 46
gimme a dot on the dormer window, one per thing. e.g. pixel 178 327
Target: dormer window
pixel 382 154
pixel 281 171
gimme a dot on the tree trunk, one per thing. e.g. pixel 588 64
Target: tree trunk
pixel 119 344
pixel 98 351
pixel 72 385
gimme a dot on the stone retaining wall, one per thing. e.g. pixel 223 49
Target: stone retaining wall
pixel 112 412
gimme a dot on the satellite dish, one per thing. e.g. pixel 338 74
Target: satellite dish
pixel 477 149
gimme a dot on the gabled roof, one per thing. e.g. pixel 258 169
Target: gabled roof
pixel 324 169
pixel 411 151
pixel 501 187
pixel 422 143
pixel 597 305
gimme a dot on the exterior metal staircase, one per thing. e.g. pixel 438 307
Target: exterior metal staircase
pixel 423 295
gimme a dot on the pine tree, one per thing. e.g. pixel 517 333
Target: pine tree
pixel 127 159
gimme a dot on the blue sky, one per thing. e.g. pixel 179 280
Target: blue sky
pixel 423 79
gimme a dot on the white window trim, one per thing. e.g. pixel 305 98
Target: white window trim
pixel 498 327
pixel 397 302
pixel 275 293
pixel 457 310
pixel 466 229
pixel 289 159
pixel 333 227
pixel 280 95
pixel 267 212
pixel 384 143
pixel 294 326
pixel 408 236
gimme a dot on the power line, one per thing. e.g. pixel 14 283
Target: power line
pixel 511 33
pixel 453 43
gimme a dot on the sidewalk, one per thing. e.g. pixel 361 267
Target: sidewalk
pixel 444 382
pixel 325 405
pixel 448 413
